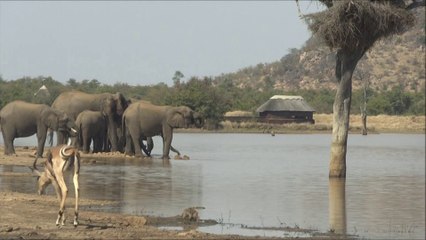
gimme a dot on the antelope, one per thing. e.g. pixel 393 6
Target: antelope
pixel 60 160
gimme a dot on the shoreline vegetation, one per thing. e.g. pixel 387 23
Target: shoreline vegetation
pixel 323 124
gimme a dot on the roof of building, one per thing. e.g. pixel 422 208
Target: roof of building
pixel 285 103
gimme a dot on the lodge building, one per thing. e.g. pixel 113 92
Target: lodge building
pixel 285 109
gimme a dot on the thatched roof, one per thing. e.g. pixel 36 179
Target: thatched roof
pixel 279 103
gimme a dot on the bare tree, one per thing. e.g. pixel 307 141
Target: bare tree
pixel 363 74
pixel 351 28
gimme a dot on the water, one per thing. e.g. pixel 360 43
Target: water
pixel 264 181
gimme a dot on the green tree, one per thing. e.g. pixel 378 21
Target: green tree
pixel 203 97
pixel 176 78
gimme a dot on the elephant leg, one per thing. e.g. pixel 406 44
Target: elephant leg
pixel 144 148
pixel 98 143
pixel 95 145
pixel 9 149
pixel 129 147
pixel 120 140
pixel 8 141
pixel 86 141
pixel 104 143
pixel 41 138
pixel 167 141
pixel 136 143
pixel 135 135
pixel 149 144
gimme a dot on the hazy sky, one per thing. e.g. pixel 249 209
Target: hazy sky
pixel 144 42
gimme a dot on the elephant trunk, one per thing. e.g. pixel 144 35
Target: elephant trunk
pixel 112 134
pixel 34 169
pixel 198 120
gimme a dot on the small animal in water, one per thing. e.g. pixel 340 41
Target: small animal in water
pixel 191 214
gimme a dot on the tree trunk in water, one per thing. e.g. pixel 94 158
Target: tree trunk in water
pixel 345 66
pixel 337 205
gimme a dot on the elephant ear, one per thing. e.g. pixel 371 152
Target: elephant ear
pixel 51 119
pixel 108 106
pixel 180 117
pixel 121 103
pixel 176 119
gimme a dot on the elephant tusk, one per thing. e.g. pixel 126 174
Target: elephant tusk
pixel 73 130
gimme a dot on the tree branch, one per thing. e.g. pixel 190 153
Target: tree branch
pixel 415 4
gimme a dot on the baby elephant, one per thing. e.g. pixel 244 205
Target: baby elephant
pixel 60 160
pixel 93 126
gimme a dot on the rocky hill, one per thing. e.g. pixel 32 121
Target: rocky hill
pixel 399 60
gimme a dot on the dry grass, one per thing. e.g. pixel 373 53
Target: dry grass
pixel 380 123
pixel 323 123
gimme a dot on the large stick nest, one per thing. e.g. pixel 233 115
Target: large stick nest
pixel 357 24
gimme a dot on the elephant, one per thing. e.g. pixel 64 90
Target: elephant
pixel 142 120
pixel 111 105
pixel 22 119
pixel 93 126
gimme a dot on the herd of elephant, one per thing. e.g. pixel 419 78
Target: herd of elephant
pixel 111 121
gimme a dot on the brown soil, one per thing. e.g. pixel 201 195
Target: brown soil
pixel 380 123
pixel 30 216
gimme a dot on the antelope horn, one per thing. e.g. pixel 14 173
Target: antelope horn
pixel 63 153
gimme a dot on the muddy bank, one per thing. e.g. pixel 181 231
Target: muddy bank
pixel 29 216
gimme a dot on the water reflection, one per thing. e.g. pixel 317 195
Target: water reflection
pixel 21 180
pixel 337 205
pixel 148 186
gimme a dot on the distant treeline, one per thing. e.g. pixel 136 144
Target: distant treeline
pixel 211 98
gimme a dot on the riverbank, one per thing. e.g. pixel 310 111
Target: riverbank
pixel 30 216
pixel 323 124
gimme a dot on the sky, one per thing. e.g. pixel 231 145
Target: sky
pixel 144 42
